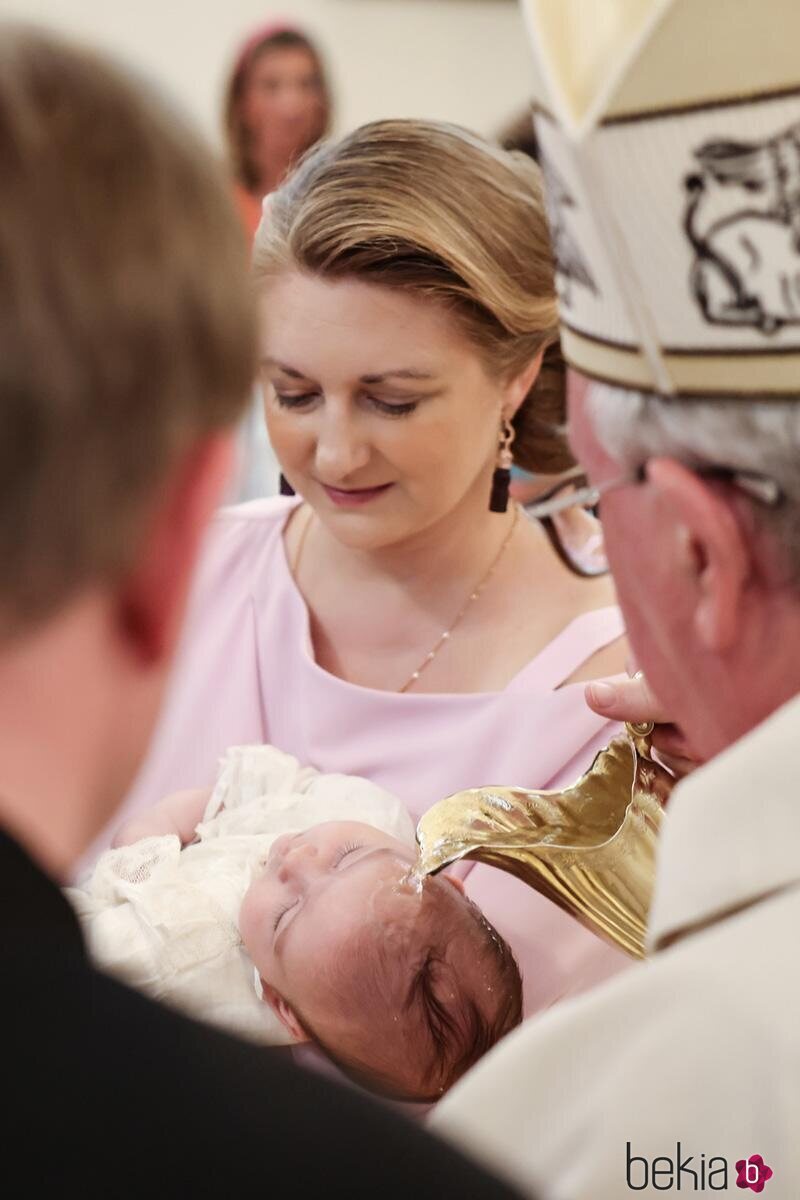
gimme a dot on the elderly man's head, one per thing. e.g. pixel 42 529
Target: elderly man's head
pixel 707 565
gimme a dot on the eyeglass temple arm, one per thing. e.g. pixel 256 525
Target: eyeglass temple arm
pixel 759 487
pixel 550 505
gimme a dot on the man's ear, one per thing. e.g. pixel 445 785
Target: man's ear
pixel 152 595
pixel 284 1012
pixel 711 550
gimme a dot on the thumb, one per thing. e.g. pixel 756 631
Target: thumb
pixel 625 700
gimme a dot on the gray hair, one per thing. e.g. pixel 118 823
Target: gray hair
pixel 748 435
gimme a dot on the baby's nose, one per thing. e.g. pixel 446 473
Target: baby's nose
pixel 297 860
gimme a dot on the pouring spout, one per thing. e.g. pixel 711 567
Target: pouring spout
pixel 590 848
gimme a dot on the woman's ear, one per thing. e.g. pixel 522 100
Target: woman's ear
pixel 519 386
pixel 284 1012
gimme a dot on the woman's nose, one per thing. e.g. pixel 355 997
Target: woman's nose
pixel 340 451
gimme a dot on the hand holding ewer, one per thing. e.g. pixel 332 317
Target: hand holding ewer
pixel 632 701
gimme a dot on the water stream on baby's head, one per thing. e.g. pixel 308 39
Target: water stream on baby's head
pixel 415 878
pixel 432 859
pixel 425 865
pixel 419 872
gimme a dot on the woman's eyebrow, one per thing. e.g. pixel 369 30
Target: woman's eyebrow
pixel 402 373
pixel 266 361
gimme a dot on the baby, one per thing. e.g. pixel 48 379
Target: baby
pixel 281 909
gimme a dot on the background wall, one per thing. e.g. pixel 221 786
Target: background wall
pixel 461 60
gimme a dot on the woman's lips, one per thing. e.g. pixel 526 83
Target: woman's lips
pixel 350 497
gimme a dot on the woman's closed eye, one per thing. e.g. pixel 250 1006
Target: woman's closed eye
pixel 403 409
pixel 295 399
pixel 304 400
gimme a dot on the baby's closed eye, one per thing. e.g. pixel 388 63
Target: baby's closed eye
pixel 342 853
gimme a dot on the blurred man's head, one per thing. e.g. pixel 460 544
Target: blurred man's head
pixel 126 354
pixel 705 549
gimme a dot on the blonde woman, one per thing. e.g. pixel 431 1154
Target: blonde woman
pixel 398 618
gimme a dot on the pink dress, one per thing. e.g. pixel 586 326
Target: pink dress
pixel 246 674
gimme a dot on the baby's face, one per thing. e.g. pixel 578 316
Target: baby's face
pixel 356 956
pixel 317 889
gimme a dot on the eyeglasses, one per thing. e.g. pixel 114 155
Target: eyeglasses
pixel 567 511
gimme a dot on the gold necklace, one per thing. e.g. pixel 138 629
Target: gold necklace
pixel 471 598
pixel 301 541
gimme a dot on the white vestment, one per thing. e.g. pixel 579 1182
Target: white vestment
pixel 698 1046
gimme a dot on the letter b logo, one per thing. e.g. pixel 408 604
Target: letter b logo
pixel 752 1173
pixel 642 1175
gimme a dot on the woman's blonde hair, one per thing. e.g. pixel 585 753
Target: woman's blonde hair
pixel 434 209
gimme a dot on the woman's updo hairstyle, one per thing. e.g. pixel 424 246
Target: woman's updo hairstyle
pixel 433 209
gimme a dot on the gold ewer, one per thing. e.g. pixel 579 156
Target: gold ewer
pixel 590 848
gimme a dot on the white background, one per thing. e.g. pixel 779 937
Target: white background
pixel 461 60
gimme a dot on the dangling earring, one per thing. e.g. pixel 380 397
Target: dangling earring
pixel 498 501
pixel 286 487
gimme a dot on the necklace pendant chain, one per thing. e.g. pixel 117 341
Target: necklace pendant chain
pixel 462 612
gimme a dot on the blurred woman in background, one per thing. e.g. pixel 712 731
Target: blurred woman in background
pixel 277 106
